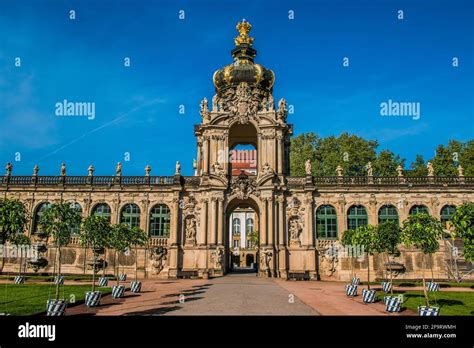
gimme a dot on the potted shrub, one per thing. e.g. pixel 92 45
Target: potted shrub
pixel 386 243
pixel 20 240
pixel 463 224
pixel 365 236
pixel 13 218
pixel 55 222
pixel 423 231
pixel 119 242
pixel 95 233
pixel 346 241
pixel 137 238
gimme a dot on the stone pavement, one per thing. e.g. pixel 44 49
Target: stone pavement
pixel 235 294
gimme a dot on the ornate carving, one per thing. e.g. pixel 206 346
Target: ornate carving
pixel 242 102
pixel 190 230
pixel 217 169
pixel 266 169
pixel 218 258
pixel 243 186
pixel 282 111
pixel 328 251
pixel 204 109
pixel 265 259
pixel 294 231
pixel 158 259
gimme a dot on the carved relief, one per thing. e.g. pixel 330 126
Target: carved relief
pixel 218 258
pixel 190 231
pixel 328 251
pixel 243 186
pixel 158 259
pixel 294 231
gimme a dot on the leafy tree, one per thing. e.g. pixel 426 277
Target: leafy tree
pixel 20 241
pixel 138 237
pixel 13 218
pixel 422 231
pixel 386 163
pixel 463 223
pixel 418 168
pixel 303 148
pixel 443 163
pixel 56 222
pixel 95 234
pixel 388 238
pixel 254 239
pixel 119 241
pixel 366 236
pixel 346 241
pixel 466 158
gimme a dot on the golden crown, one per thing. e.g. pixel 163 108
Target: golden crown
pixel 243 28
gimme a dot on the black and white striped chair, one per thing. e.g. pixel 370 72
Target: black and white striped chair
pixel 56 308
pixel 122 277
pixel 93 298
pixel 386 287
pixel 368 296
pixel 118 291
pixel 135 286
pixel 425 311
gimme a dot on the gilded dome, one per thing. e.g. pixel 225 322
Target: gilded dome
pixel 243 69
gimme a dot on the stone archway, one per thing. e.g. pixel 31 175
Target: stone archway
pixel 232 254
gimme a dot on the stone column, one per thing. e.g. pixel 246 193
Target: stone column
pixel 199 164
pixel 203 234
pixel 341 218
pixel 174 233
pixel 220 220
pixel 309 221
pixel 205 154
pixel 213 226
pixel 271 221
pixel 263 224
pixel 280 155
pixel 281 221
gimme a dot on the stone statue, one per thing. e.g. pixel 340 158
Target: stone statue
pixel 282 105
pixel 215 103
pixel 91 170
pixel 158 259
pixel 190 231
pixel 307 167
pixel 118 169
pixel 63 169
pixel 217 169
pixel 400 171
pixel 370 171
pixel 35 170
pixel 8 168
pixel 282 111
pixel 218 257
pixel 178 168
pixel 147 170
pixel 271 102
pixel 460 171
pixel 204 108
pixel 430 168
pixel 265 258
pixel 264 104
pixel 266 169
pixel 339 171
pixel 295 230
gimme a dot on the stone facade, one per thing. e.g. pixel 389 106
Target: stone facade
pixel 243 111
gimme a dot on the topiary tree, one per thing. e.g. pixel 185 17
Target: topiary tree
pixel 13 218
pixel 463 223
pixel 365 236
pixel 138 237
pixel 346 241
pixel 95 234
pixel 388 238
pixel 422 231
pixel 20 240
pixel 56 222
pixel 119 241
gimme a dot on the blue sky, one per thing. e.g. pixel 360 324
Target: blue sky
pixel 172 62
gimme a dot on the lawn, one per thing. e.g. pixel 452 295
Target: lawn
pixel 408 283
pixel 49 278
pixel 29 299
pixel 449 302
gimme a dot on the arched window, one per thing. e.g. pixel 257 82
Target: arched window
pixel 356 216
pixel 236 226
pixel 326 222
pixel 39 212
pixel 102 209
pixel 388 213
pixel 419 209
pixel 249 226
pixel 447 213
pixel 160 218
pixel 130 215
pixel 75 229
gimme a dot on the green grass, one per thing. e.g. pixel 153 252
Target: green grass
pixel 29 299
pixel 449 302
pixel 49 278
pixel 411 283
